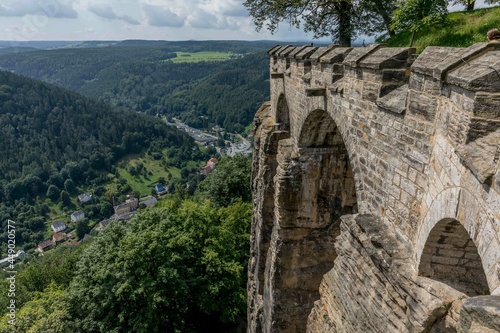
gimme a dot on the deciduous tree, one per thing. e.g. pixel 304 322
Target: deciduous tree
pixel 339 19
pixel 163 271
pixel 415 14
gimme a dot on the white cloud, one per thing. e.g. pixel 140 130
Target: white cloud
pixel 49 8
pixel 108 13
pixel 159 16
pixel 225 7
pixel 203 20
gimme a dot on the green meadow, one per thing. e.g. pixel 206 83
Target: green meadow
pixel 202 56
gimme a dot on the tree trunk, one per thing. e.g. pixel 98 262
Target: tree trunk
pixel 345 23
pixel 412 38
pixel 470 5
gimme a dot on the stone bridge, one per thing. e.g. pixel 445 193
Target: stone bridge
pixel 377 191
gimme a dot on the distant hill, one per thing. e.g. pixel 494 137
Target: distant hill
pixel 463 29
pixel 36 44
pixel 17 49
pixel 138 75
pixel 45 127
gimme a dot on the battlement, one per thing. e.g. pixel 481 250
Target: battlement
pixel 438 71
pixel 377 136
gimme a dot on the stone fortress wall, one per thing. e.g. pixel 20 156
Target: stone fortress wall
pixel 376 184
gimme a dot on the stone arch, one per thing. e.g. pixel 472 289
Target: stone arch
pixel 450 256
pixel 475 220
pixel 282 114
pixel 321 138
pixel 314 188
pixel 319 130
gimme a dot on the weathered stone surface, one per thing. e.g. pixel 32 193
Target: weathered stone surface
pixel 369 290
pixel 479 74
pixel 305 53
pixel 359 53
pixel 416 152
pixel 437 61
pixel 273 49
pixel 486 104
pixel 388 57
pixel 481 156
pixel 321 51
pixel 480 315
pixel 296 51
pixel 336 55
pixel 285 51
pixel 395 101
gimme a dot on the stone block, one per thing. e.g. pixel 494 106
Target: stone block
pixel 479 74
pixel 387 57
pixel 480 314
pixel 422 106
pixel 487 105
pixel 336 55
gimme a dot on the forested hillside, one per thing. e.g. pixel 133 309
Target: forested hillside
pixel 180 266
pixel 140 76
pixel 54 140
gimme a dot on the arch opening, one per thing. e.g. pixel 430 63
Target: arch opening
pixel 450 256
pixel 282 114
pixel 320 131
pixel 316 191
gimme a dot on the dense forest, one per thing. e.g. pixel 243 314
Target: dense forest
pixel 54 140
pixel 139 75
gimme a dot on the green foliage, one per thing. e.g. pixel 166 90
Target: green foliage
pixel 414 15
pixel 56 266
pixel 164 269
pixel 461 30
pixel 69 185
pixel 469 4
pixel 323 18
pixel 342 20
pixel 81 229
pixel 48 311
pixel 53 192
pixel 65 199
pixel 229 182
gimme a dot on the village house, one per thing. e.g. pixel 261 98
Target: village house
pixel 58 226
pixel 85 197
pixel 45 245
pixel 161 189
pixel 148 202
pixel 58 238
pixel 209 167
pixel 103 224
pixel 77 216
pixel 127 207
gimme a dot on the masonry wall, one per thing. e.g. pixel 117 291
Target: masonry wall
pixel 421 142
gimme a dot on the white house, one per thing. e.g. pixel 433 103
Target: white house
pixel 58 226
pixel 77 216
pixel 85 197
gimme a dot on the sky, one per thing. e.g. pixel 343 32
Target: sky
pixel 25 20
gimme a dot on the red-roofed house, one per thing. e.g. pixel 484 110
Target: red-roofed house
pixel 58 238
